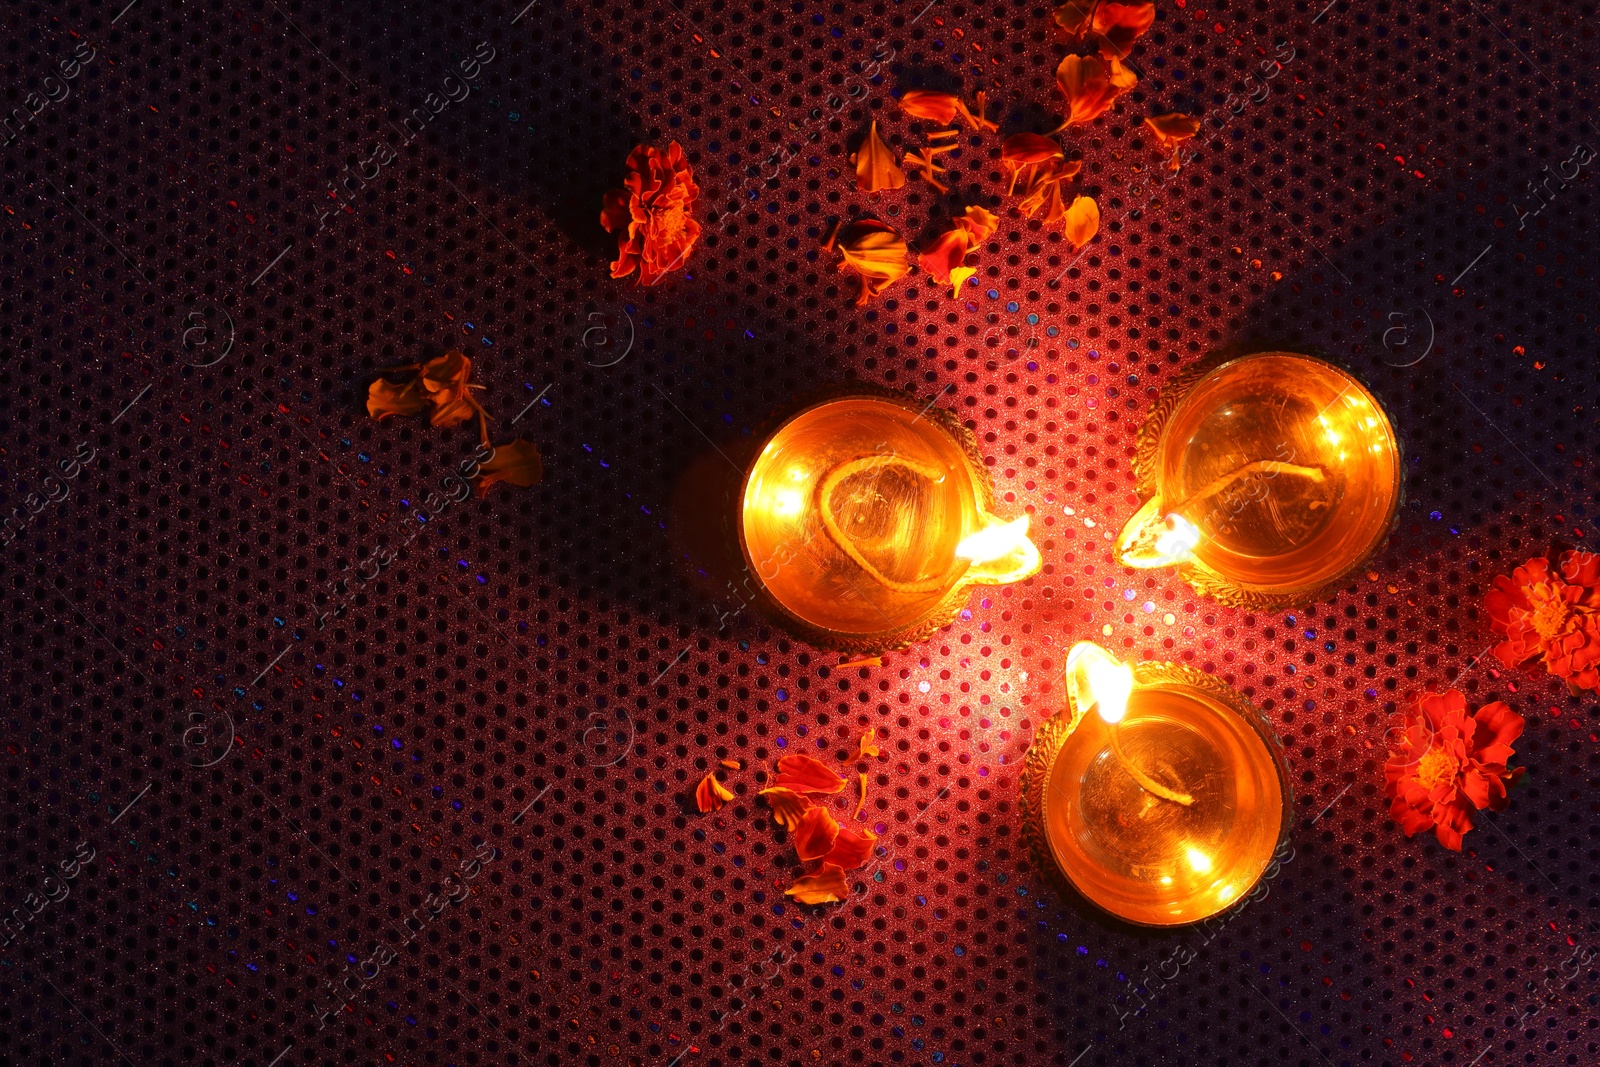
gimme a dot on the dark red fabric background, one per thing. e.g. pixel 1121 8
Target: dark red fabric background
pixel 199 228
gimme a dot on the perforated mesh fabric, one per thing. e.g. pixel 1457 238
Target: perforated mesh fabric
pixel 207 255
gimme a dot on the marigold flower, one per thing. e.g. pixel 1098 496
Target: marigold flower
pixel 1172 130
pixel 806 775
pixel 711 794
pixel 815 834
pixel 652 214
pixel 1446 760
pixel 930 105
pixel 787 807
pixel 825 886
pixel 1091 85
pixel 875 165
pixel 852 848
pixel 1550 616
pixel 875 252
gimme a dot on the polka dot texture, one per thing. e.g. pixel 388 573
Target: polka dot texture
pixel 308 762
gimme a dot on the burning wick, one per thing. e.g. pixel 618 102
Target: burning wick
pixel 1107 683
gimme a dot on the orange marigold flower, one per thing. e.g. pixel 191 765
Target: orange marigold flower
pixel 1550 616
pixel 806 775
pixel 1091 85
pixel 815 834
pixel 1446 760
pixel 1023 152
pixel 875 252
pixel 875 165
pixel 1172 130
pixel 826 886
pixel 1082 221
pixel 943 259
pixel 652 214
pixel 787 807
pixel 927 104
pixel 711 794
pixel 852 848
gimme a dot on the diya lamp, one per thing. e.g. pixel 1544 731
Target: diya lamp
pixel 1159 792
pixel 868 516
pixel 1269 479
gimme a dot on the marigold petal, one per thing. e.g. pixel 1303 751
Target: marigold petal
pixel 787 807
pixel 1091 85
pixel 866 749
pixel 1076 17
pixel 978 222
pixel 861 803
pixel 815 834
pixel 875 252
pixel 711 794
pixel 517 462
pixel 825 886
pixel 930 105
pixel 875 165
pixel 806 775
pixel 1173 127
pixel 1082 221
pixel 1117 25
pixel 945 254
pixel 385 398
pixel 1496 727
pixel 1024 148
pixel 732 764
pixel 852 848
pixel 1451 822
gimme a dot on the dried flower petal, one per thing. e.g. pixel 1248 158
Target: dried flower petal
pixel 444 380
pixel 927 104
pixel 867 749
pixel 862 778
pixel 711 794
pixel 787 807
pixel 826 886
pixel 1075 16
pixel 1117 25
pixel 1091 85
pixel 516 462
pixel 732 764
pixel 978 222
pixel 816 833
pixel 852 848
pixel 943 260
pixel 1082 221
pixel 875 165
pixel 1172 130
pixel 1023 152
pixel 806 775
pixel 875 252
pixel 385 398
pixel 652 215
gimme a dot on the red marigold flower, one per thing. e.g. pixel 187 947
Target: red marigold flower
pixel 1553 616
pixel 652 214
pixel 1448 763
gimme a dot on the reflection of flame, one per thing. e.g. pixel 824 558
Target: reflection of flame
pixel 1095 676
pixel 1176 544
pixel 1198 860
pixel 995 541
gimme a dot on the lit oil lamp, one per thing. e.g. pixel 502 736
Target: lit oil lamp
pixel 1270 479
pixel 1166 804
pixel 867 517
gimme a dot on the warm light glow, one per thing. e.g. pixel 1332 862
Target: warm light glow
pixel 787 502
pixel 994 541
pixel 1178 541
pixel 1095 676
pixel 1198 860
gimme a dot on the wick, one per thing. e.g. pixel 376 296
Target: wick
pixel 1144 780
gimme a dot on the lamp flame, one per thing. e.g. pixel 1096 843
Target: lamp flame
pixel 1154 540
pixel 1176 544
pixel 995 541
pixel 1095 676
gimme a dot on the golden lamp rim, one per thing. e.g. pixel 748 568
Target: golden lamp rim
pixel 1051 739
pixel 949 607
pixel 1204 579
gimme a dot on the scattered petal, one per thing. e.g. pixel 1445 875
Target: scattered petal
pixel 711 794
pixel 444 380
pixel 816 833
pixel 865 661
pixel 875 252
pixel 1172 130
pixel 806 775
pixel 862 780
pixel 385 398
pixel 1091 85
pixel 922 162
pixel 1075 16
pixel 1082 221
pixel 1117 25
pixel 787 807
pixel 943 259
pixel 516 462
pixel 652 214
pixel 867 749
pixel 825 886
pixel 852 848
pixel 1023 153
pixel 978 222
pixel 927 104
pixel 732 764
pixel 875 165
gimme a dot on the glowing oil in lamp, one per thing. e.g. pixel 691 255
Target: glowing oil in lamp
pixel 1165 804
pixel 1270 478
pixel 868 517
